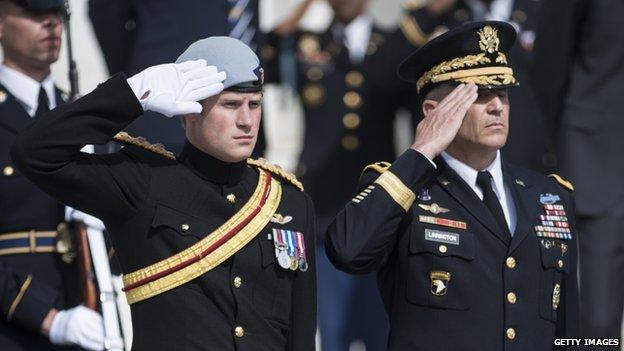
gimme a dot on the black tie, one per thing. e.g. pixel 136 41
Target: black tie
pixel 42 103
pixel 484 181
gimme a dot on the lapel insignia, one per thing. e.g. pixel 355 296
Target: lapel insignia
pixel 3 96
pixel 279 219
pixel 520 182
pixel 549 199
pixel 439 282
pixel 433 208
pixel 423 194
pixel 443 222
pixel 554 222
pixel 445 182
pixel 556 296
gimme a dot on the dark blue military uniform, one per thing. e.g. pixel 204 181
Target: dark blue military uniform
pixel 30 283
pixel 349 111
pixel 456 282
pixel 155 205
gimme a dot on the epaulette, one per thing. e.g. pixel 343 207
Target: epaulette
pixel 277 170
pixel 159 149
pixel 379 167
pixel 564 183
pixel 412 31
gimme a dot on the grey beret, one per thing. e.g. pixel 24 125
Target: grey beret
pixel 240 63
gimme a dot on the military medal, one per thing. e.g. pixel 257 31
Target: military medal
pixel 301 253
pixel 290 249
pixel 554 221
pixel 281 249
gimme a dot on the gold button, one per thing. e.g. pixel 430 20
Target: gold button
pixel 511 333
pixel 512 298
pixel 560 264
pixel 239 331
pixel 511 262
pixel 352 100
pixel 314 74
pixel 354 79
pixel 185 227
pixel 313 95
pixel 351 120
pixel 238 281
pixel 231 197
pixel 442 248
pixel 350 142
pixel 8 171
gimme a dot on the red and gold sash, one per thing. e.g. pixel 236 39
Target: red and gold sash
pixel 212 250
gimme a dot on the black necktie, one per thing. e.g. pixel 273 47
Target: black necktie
pixel 43 104
pixel 484 181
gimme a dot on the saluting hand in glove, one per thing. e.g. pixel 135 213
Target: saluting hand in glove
pixel 175 88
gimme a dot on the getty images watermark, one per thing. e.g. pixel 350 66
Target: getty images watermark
pixel 586 342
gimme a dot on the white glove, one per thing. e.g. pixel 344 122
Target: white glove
pixel 78 326
pixel 87 219
pixel 174 88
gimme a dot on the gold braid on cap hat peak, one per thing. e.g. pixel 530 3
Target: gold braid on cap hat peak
pixel 455 69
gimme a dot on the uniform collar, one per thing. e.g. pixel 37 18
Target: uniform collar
pixel 26 90
pixel 211 168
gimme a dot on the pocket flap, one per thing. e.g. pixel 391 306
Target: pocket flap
pixel 179 221
pixel 553 258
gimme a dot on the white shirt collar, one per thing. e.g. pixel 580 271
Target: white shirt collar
pixel 26 89
pixel 499 10
pixel 356 36
pixel 503 192
pixel 469 174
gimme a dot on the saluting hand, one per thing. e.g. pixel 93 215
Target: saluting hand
pixel 174 89
pixel 438 128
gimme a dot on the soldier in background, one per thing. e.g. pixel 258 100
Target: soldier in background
pixel 526 145
pixel 346 80
pixel 39 286
pixel 578 79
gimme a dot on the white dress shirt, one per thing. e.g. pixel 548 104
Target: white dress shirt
pixel 503 193
pixel 26 90
pixel 499 10
pixel 356 36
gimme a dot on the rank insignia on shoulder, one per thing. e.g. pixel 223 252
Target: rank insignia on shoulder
pixel 290 250
pixel 434 208
pixel 280 219
pixel 439 282
pixel 564 183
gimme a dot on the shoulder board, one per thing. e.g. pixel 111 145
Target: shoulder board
pixel 159 149
pixel 564 183
pixel 277 170
pixel 412 31
pixel 379 167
